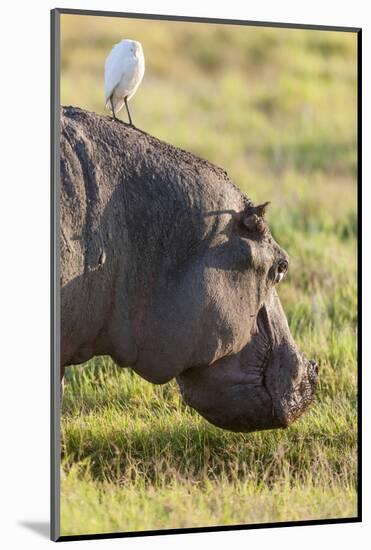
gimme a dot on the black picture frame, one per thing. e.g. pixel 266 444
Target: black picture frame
pixel 55 271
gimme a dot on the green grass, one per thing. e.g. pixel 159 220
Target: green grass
pixel 277 109
pixel 92 507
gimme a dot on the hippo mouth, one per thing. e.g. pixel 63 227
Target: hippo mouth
pixel 280 359
pixel 268 384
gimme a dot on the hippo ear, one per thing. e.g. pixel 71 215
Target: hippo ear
pixel 261 209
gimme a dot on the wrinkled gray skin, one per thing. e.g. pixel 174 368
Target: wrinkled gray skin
pixel 168 268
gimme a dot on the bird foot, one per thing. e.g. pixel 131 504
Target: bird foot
pixel 117 120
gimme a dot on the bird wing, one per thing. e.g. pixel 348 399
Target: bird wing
pixel 113 70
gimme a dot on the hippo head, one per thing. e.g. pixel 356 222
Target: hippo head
pixel 169 268
pixel 226 335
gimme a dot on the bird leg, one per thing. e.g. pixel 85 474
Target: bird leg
pixel 112 109
pixel 127 108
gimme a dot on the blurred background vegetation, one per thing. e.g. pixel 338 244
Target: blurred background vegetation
pixel 276 108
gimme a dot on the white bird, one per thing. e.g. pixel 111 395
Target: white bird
pixel 123 72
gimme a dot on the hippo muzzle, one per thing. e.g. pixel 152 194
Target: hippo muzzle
pixel 267 385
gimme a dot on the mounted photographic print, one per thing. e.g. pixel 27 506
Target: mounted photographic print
pixel 205 193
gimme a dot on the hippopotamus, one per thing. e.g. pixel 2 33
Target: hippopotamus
pixel 168 268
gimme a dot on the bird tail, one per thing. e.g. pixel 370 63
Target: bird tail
pixel 107 103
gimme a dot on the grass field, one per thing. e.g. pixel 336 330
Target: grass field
pixel 277 109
